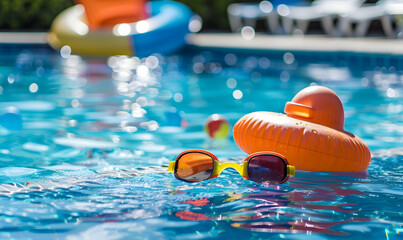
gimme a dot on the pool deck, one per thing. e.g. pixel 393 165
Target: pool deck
pixel 260 41
pixel 299 43
pixel 23 37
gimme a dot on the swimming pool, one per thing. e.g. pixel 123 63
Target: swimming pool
pixel 90 160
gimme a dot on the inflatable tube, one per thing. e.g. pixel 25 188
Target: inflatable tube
pixel 163 32
pixel 311 136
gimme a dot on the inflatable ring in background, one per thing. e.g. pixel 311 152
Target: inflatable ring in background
pixel 163 32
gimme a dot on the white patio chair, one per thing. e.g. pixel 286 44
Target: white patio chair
pixel 389 12
pixel 247 14
pixel 325 11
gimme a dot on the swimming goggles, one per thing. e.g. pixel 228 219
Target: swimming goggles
pixel 199 165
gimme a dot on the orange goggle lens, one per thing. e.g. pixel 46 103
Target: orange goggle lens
pixel 194 166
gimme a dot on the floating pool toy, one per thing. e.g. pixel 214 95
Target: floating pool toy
pixel 11 119
pixel 107 13
pixel 311 134
pixel 217 126
pixel 164 31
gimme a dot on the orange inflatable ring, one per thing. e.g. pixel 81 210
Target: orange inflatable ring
pixel 311 135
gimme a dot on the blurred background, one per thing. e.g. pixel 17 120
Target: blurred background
pixel 37 15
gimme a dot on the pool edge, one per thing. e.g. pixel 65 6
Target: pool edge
pixel 312 43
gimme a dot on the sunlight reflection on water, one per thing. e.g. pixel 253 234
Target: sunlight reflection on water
pixel 97 134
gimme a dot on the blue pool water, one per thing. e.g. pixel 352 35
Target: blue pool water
pixel 89 159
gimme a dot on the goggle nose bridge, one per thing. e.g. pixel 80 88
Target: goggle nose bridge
pixel 221 166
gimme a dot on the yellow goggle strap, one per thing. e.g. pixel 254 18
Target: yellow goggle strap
pixel 171 166
pixel 291 170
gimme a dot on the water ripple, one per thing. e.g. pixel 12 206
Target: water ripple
pixel 90 159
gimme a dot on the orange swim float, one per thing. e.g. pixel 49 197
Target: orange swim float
pixel 311 134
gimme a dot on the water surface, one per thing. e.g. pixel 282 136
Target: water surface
pixel 89 160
